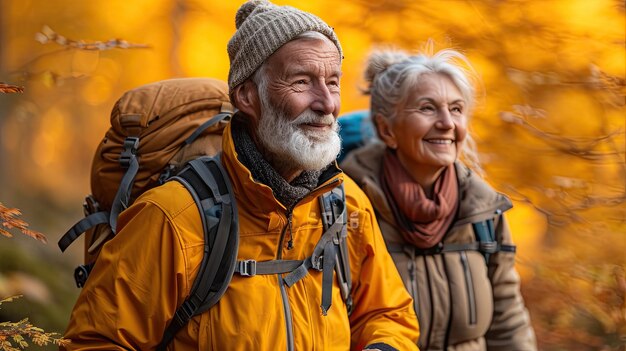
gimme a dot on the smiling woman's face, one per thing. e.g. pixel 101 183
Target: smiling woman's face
pixel 429 128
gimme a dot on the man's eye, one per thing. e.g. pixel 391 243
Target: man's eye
pixel 456 109
pixel 301 81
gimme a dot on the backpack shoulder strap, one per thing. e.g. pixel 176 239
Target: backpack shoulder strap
pixel 210 187
pixel 331 252
pixel 334 209
pixel 486 237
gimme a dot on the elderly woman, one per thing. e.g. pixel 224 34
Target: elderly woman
pixel 443 225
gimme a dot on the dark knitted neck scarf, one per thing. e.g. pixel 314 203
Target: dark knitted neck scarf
pixel 423 222
pixel 249 155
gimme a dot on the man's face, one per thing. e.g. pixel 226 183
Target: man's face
pixel 300 103
pixel 304 74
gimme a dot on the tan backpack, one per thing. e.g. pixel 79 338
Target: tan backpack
pixel 155 129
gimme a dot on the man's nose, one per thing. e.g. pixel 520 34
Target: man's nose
pixel 323 101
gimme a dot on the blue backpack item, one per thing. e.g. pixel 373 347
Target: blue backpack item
pixel 356 129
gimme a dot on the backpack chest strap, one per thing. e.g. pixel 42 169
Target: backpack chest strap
pixel 324 259
pixel 250 268
pixel 486 243
pixel 441 248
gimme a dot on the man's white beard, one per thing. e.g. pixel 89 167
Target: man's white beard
pixel 292 146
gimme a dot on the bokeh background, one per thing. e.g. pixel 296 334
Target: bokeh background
pixel 550 129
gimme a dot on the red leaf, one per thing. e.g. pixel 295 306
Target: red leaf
pixel 9 89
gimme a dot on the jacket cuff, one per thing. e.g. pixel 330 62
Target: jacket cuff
pixel 380 346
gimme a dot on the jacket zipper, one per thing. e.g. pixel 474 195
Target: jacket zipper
pixel 471 299
pixel 279 256
pixel 412 277
pixel 446 339
pixel 281 284
pixel 432 310
pixel 290 228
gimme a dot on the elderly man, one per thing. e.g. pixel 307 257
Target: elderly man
pixel 279 151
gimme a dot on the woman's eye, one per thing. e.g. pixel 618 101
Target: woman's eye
pixel 457 110
pixel 301 81
pixel 427 108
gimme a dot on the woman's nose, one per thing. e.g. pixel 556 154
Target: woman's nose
pixel 445 120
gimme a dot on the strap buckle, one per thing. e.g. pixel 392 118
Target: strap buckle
pixel 488 247
pixel 435 250
pixel 131 144
pixel 247 268
pixel 91 205
pixel 168 171
pixel 317 263
pixel 81 273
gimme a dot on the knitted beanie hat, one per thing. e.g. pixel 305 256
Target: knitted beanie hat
pixel 262 28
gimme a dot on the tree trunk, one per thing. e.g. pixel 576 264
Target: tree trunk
pixel 3 13
pixel 3 102
pixel 177 16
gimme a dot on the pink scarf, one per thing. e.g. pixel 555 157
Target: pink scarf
pixel 423 222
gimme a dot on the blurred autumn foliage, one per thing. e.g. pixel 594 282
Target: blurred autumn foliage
pixel 16 335
pixel 550 127
pixel 9 220
pixel 8 88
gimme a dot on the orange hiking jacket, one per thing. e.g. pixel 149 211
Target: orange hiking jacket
pixel 147 270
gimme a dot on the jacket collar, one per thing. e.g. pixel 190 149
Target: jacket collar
pixel 260 197
pixel 479 200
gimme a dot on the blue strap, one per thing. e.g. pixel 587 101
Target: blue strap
pixel 485 235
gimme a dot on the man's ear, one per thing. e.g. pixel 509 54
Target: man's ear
pixel 246 99
pixel 385 132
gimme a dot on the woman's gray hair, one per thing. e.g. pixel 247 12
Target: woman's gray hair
pixel 391 74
